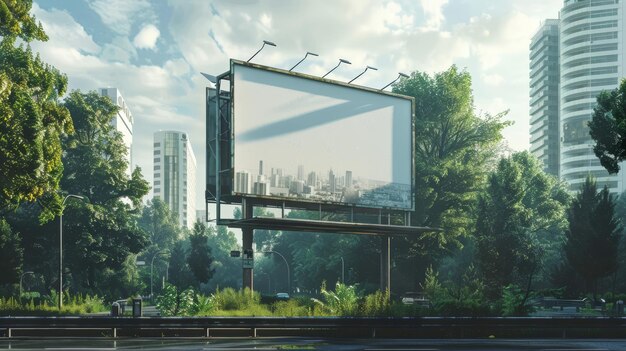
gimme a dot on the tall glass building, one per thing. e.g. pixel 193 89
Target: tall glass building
pixel 592 60
pixel 544 95
pixel 175 174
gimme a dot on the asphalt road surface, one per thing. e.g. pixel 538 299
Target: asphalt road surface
pixel 274 344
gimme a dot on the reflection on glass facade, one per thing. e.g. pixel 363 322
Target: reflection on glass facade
pixel 591 44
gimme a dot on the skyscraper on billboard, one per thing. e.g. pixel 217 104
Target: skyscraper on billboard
pixel 175 174
pixel 242 182
pixel 123 123
pixel 544 96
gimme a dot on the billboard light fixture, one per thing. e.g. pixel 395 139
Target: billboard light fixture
pixel 265 42
pixel 366 68
pixel 400 75
pixel 334 68
pixel 304 58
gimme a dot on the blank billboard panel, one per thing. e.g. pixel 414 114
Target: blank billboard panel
pixel 303 138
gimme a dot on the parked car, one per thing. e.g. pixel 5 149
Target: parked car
pixel 282 296
pixel 415 298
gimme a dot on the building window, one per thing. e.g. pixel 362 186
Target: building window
pixel 156 168
pixel 157 159
pixel 157 144
pixel 157 190
pixel 157 152
pixel 157 182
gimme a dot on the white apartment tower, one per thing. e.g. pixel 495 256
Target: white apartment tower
pixel 175 174
pixel 592 59
pixel 544 96
pixel 123 122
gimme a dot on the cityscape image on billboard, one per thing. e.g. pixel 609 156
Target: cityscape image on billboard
pixel 306 139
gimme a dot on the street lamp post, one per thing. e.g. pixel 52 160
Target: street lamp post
pixel 22 276
pixel 61 247
pixel 288 275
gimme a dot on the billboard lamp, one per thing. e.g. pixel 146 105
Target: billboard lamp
pixel 366 68
pixel 340 62
pixel 304 58
pixel 265 42
pixel 399 75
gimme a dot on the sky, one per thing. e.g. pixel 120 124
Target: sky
pixel 154 51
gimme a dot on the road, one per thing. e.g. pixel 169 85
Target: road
pixel 272 344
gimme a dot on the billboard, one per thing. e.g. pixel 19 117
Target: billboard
pixel 303 138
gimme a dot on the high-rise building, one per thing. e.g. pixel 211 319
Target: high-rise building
pixel 242 182
pixel 123 122
pixel 261 167
pixel 300 172
pixel 544 96
pixel 592 51
pixel 175 174
pixel 332 182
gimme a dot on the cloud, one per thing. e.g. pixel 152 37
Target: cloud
pixel 62 24
pixel 147 37
pixel 119 15
pixel 433 11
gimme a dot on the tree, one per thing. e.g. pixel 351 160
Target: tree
pixel 11 253
pixel 608 127
pixel 594 234
pixel 200 259
pixel 161 224
pixel 227 269
pixel 102 232
pixel 180 274
pixel 520 203
pixel 455 148
pixel 31 120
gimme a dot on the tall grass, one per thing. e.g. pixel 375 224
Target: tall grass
pixel 73 305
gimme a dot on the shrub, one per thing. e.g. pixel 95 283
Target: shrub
pixel 173 302
pixel 341 302
pixel 376 305
pixel 229 299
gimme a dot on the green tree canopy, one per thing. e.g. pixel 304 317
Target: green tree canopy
pixel 454 145
pixel 161 224
pixel 608 127
pixel 520 203
pixel 31 120
pixel 594 234
pixel 16 21
pixel 102 232
pixel 11 253
pixel 200 259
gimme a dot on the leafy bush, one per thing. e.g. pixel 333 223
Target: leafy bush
pixel 173 302
pixel 344 301
pixel 204 305
pixel 450 300
pixel 515 302
pixel 376 305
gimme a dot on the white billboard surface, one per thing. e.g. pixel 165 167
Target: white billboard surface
pixel 302 138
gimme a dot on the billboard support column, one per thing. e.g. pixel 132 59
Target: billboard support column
pixel 248 253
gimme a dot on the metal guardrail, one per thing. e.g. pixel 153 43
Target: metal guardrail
pixel 337 326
